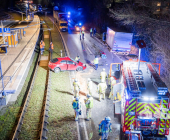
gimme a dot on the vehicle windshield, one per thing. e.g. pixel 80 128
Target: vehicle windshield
pixel 63 24
pixel 54 60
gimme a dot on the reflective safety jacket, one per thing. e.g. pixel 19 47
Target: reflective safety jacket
pixel 89 85
pixel 89 102
pixel 96 61
pixel 76 86
pixel 91 30
pixel 77 58
pixel 102 87
pixel 103 76
pixel 105 127
pixel 51 46
pixel 76 105
pixel 80 33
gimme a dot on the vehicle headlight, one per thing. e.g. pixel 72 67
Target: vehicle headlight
pixel 77 29
pixel 83 28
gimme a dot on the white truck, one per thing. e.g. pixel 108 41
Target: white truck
pixel 119 42
pixel 61 19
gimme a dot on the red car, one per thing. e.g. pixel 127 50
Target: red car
pixel 65 63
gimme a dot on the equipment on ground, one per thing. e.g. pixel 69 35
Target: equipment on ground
pixel 119 42
pixel 144 105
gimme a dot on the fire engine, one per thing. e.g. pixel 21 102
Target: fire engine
pixel 144 104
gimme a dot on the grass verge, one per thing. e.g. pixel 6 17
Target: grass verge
pixel 61 115
pixel 9 114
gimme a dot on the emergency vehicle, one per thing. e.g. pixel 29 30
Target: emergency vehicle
pixel 144 105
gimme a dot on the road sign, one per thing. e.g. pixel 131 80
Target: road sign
pixel 6 30
pixel 141 44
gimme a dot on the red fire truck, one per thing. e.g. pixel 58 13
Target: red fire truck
pixel 144 105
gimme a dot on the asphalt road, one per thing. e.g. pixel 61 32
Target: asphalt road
pixel 87 49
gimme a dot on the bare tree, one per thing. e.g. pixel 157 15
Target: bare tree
pixel 150 21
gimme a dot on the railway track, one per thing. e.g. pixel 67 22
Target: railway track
pixel 32 122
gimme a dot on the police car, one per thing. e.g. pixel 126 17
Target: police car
pixel 79 27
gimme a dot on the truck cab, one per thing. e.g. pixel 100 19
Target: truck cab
pixel 63 25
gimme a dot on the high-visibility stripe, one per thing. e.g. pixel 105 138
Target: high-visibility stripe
pixel 139 104
pixel 126 118
pixel 157 105
pixel 133 108
pixel 127 109
pixel 141 107
pixel 126 114
pixel 164 106
pixel 162 125
pixel 151 109
pixel 162 120
pixel 165 101
pixel 163 116
pixel 132 104
pixel 157 110
pixel 132 100
pixel 167 126
pixel 130 122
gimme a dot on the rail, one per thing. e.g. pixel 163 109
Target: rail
pixel 45 105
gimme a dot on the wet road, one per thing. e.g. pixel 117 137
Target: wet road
pixel 87 49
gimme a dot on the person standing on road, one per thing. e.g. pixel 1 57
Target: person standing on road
pixel 83 34
pixel 77 108
pixel 94 32
pixel 80 35
pixel 103 75
pixel 101 88
pixel 91 31
pixel 77 59
pixel 112 83
pixel 105 128
pixel 76 88
pixel 51 49
pixel 89 106
pixel 89 86
pixel 96 62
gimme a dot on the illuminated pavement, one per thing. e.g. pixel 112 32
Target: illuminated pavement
pixel 101 109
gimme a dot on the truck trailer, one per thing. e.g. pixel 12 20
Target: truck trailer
pixel 119 42
pixel 145 100
pixel 61 19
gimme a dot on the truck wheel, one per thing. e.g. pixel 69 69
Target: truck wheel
pixel 79 69
pixel 57 70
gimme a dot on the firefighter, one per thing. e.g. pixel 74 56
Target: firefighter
pixel 89 106
pixel 112 83
pixel 89 86
pixel 105 128
pixel 103 75
pixel 91 31
pixel 102 89
pixel 83 34
pixel 80 35
pixel 77 108
pixel 96 62
pixel 77 59
pixel 76 88
pixel 51 49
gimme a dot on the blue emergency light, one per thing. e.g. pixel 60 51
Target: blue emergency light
pixel 69 13
pixel 79 24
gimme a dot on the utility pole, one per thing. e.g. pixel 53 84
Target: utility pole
pixel 2 31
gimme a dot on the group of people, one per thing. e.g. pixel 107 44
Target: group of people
pixel 92 32
pixel 81 34
pixel 105 125
pixel 42 46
